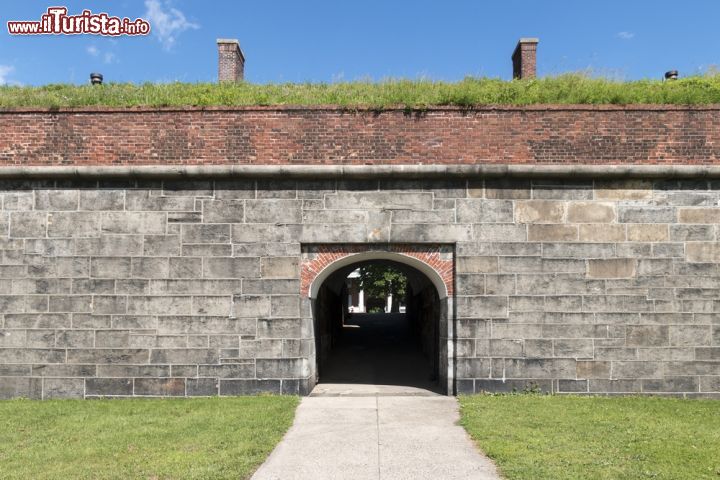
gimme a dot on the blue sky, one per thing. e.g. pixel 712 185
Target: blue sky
pixel 326 41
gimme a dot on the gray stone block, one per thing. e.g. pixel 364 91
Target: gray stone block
pixel 93 199
pixel 482 306
pixel 110 245
pixel 573 348
pixel 499 232
pixel 477 264
pixel 282 368
pixel 634 370
pixel 56 199
pixel 539 211
pixel 211 305
pixel 20 387
pixel 165 387
pixel 379 200
pixel 160 305
pixel 70 303
pixel 484 211
pixel 231 267
pixel 646 214
pixel 63 388
pixel 34 320
pixel 251 306
pixel 122 371
pixel 279 328
pixel 28 224
pixel 134 222
pixel 500 188
pixel 544 368
pixel 108 387
pixel 73 224
pixel 671 384
pixel 248 387
pixel 110 267
pixel 202 387
pixel 421 216
pixel 279 267
pixel 285 306
pixel 206 233
pixel 270 287
pixel 273 211
pixel 471 284
pixel 186 267
pixel 473 367
pixel 593 369
pixel 161 245
pixel 223 211
pixel 690 335
pixel 205 325
pixel 75 339
pixel 185 356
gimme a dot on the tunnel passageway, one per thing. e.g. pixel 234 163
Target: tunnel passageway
pixel 376 353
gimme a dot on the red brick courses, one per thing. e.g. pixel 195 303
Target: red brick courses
pixel 324 255
pixel 327 135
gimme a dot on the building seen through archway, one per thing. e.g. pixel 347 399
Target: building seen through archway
pixel 377 322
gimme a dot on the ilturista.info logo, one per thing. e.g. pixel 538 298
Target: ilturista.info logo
pixel 56 21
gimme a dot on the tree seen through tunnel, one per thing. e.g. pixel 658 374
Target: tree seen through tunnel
pixel 377 325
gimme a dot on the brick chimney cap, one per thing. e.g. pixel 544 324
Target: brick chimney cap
pixel 221 41
pixel 524 41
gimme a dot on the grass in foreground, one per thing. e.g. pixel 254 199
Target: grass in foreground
pixel 213 438
pixel 563 89
pixel 553 437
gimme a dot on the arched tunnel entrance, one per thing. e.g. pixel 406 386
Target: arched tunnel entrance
pixel 392 342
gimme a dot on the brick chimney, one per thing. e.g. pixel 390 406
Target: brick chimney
pixel 231 61
pixel 524 58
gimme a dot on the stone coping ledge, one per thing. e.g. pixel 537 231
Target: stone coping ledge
pixel 364 108
pixel 364 171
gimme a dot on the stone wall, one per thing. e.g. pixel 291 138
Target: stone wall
pixel 193 288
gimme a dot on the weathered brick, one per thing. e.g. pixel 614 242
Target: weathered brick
pixel 612 268
pixel 552 233
pixel 703 252
pixel 539 211
pixel 590 212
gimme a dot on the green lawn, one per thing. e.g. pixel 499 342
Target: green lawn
pixel 558 437
pixel 562 89
pixel 212 438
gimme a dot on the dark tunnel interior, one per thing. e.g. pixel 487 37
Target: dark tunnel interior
pixel 395 348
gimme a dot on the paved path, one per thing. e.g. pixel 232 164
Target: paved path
pixel 376 437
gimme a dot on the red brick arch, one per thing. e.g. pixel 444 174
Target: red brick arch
pixel 317 258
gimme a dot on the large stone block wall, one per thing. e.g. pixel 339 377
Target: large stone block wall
pixel 193 288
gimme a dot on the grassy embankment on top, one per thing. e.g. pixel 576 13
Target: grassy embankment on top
pixel 564 89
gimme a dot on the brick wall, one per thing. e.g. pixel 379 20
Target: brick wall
pixel 600 135
pixel 159 287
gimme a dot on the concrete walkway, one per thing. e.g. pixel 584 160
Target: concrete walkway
pixel 376 437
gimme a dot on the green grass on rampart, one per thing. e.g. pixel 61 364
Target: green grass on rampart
pixel 564 89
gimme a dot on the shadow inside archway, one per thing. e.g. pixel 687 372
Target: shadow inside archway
pixel 377 350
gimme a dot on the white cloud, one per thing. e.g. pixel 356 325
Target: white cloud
pixel 6 70
pixel 166 22
pixel 625 35
pixel 107 57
